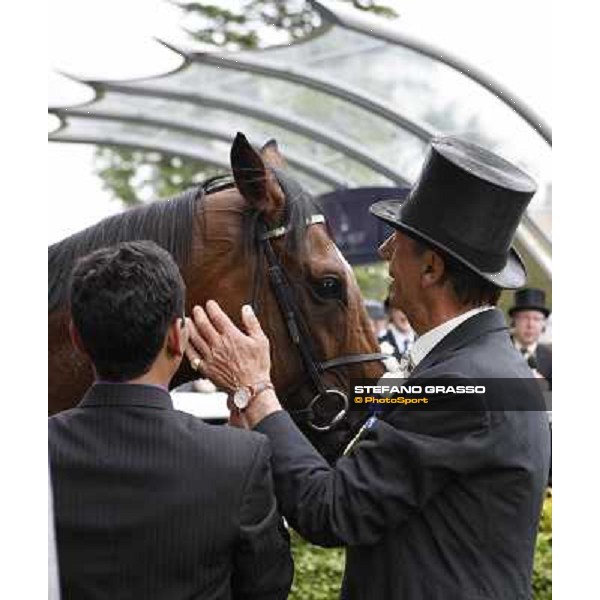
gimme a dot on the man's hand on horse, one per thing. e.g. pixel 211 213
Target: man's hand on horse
pixel 224 353
pixel 232 358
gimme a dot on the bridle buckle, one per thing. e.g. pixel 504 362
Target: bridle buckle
pixel 337 418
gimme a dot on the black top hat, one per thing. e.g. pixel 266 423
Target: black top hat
pixel 530 299
pixel 468 203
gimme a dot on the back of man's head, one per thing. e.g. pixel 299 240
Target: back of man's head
pixel 123 300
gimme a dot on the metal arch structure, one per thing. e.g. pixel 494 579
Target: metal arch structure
pixel 172 149
pixel 370 35
pixel 308 167
pixel 320 84
pixel 289 122
pixel 349 19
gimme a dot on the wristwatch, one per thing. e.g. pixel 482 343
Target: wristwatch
pixel 243 395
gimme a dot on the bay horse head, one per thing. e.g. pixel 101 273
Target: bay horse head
pixel 261 239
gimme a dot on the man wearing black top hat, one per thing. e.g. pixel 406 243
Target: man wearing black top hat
pixel 431 505
pixel 529 314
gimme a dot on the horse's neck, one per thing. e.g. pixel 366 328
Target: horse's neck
pixel 217 257
pixel 69 374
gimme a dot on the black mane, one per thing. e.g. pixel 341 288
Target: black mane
pixel 168 223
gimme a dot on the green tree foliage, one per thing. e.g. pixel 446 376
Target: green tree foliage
pixel 542 568
pixel 242 28
pixel 134 176
pixel 373 280
pixel 317 571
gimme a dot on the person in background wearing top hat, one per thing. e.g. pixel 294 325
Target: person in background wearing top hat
pixel 398 334
pixel 431 505
pixel 528 315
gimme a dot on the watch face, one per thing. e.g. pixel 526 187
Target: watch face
pixel 241 397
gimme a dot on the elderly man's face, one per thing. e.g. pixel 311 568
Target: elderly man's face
pixel 528 326
pixel 405 268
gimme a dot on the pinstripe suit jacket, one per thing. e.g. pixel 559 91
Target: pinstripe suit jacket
pixel 152 503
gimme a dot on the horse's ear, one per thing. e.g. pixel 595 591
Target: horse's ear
pixel 271 155
pixel 254 180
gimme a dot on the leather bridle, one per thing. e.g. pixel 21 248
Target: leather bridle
pixel 295 324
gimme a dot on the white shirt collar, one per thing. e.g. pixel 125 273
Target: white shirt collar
pixel 530 349
pixel 426 343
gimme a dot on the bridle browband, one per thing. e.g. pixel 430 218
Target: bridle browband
pixel 296 327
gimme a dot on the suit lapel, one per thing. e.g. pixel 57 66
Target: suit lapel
pixel 543 357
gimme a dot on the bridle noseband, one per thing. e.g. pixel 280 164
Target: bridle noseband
pixel 300 336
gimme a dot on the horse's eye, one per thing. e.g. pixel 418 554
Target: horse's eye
pixel 329 287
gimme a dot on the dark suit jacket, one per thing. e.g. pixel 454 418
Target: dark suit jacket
pixel 152 503
pixel 543 359
pixel 431 505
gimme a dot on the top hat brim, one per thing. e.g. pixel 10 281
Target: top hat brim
pixel 511 277
pixel 515 309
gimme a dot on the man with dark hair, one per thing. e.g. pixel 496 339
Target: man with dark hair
pixel 151 502
pixel 440 503
pixel 123 300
